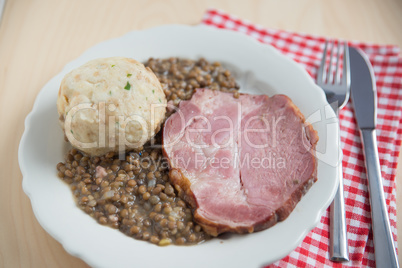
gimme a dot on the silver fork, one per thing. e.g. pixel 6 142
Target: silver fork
pixel 337 91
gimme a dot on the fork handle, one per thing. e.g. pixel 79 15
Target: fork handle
pixel 339 251
pixel 384 249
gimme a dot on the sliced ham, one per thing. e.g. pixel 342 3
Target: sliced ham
pixel 241 163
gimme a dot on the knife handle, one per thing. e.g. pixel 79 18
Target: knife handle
pixel 384 249
pixel 338 246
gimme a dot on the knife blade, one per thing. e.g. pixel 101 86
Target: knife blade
pixel 364 98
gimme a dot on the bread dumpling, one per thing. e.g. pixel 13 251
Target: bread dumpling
pixel 110 105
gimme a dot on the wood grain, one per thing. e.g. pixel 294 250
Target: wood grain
pixel 38 37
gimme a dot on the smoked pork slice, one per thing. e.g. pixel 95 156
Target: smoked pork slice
pixel 241 163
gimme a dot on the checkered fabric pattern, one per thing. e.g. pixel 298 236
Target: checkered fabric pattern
pixel 306 50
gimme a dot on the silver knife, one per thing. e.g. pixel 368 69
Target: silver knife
pixel 364 97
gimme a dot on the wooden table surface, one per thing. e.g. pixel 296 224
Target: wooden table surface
pixel 38 37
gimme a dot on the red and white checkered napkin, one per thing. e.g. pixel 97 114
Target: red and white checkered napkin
pixel 307 50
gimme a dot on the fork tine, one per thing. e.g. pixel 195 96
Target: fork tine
pixel 321 70
pixel 330 75
pixel 346 66
pixel 337 74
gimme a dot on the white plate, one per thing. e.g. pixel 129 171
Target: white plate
pixel 259 69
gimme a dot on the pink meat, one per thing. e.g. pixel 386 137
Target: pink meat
pixel 242 164
pixel 100 172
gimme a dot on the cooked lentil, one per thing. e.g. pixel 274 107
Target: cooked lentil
pixel 180 77
pixel 134 195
